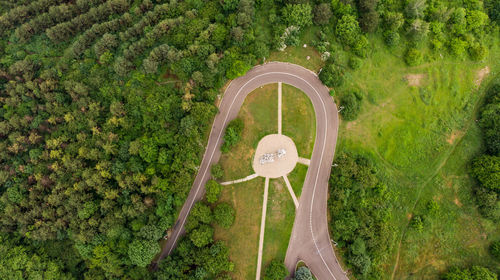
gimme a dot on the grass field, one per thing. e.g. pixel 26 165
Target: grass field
pixel 299 122
pixel 279 221
pixel 298 55
pixel 422 137
pixel 243 237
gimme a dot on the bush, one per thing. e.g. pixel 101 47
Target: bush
pixel 224 215
pixel 355 62
pixel 322 13
pixel 303 273
pixel 216 171
pixel 495 249
pixel 276 270
pixel 391 38
pixel 332 75
pixel 233 134
pixel 352 106
pixel 297 15
pixel 486 169
pixel 213 191
pixel 414 57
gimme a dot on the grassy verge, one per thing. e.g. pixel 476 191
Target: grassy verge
pixel 260 116
pixel 298 55
pixel 299 122
pixel 243 237
pixel 297 177
pixel 279 221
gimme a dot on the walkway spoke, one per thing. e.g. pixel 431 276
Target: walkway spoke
pixel 279 108
pixel 262 228
pixel 289 186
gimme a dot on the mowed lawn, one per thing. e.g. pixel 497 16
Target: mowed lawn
pixel 243 237
pixel 298 119
pixel 279 221
pixel 422 138
pixel 260 115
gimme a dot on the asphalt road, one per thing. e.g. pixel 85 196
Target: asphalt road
pixel 310 240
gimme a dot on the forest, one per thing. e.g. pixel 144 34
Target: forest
pixel 106 106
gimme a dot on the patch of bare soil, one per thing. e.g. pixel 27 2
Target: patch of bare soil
pixel 350 125
pixel 414 80
pixel 481 74
pixel 453 136
pixel 409 216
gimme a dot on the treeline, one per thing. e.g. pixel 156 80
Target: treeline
pixel 359 207
pixel 55 15
pixel 486 167
pixel 65 30
pixel 22 13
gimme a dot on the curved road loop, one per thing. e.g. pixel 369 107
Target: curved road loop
pixel 310 240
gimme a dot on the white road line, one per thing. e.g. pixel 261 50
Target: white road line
pixel 247 178
pixel 317 173
pixel 262 229
pixel 290 189
pixel 279 108
pixel 304 161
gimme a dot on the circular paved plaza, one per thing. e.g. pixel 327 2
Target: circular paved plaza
pixel 276 156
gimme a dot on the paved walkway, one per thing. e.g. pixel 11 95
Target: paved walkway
pixel 279 108
pixel 247 178
pixel 262 229
pixel 304 161
pixel 290 189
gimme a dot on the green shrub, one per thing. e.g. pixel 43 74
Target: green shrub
pixel 224 215
pixel 276 270
pixel 355 62
pixel 233 134
pixel 213 191
pixel 391 38
pixel 351 106
pixel 216 171
pixel 332 76
pixel 495 249
pixel 414 57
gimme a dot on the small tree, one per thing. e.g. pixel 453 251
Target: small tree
pixel 213 191
pixel 202 236
pixel 233 134
pixel 303 273
pixel 141 252
pixel 352 105
pixel 414 57
pixel 216 171
pixel 224 215
pixel 298 15
pixel 276 270
pixel 322 13
pixel 332 75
